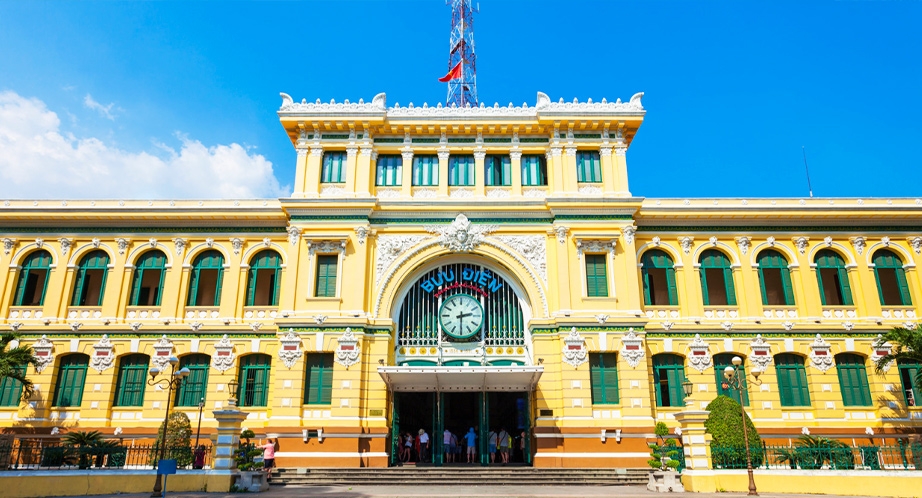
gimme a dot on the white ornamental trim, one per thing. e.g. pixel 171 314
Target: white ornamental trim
pixel 881 348
pixel 103 355
pixel 43 352
pixel 461 235
pixel 390 247
pixel 761 354
pixel 290 352
pixel 163 349
pixel 347 351
pixel 820 354
pixel 632 348
pixel 587 246
pixel 223 359
pixel 574 349
pixel 533 248
pixel 700 357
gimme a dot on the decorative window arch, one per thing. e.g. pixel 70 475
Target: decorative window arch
pixel 775 279
pixel 792 380
pixel 90 284
pixel 254 379
pixel 33 279
pixel 147 281
pixel 853 379
pixel 722 361
pixel 205 279
pixel 668 376
pixel 892 287
pixel 832 277
pixel 658 273
pixel 716 279
pixel 264 278
pixel 132 377
pixel 194 387
pixel 68 389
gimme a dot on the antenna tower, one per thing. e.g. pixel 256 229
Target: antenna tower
pixel 462 91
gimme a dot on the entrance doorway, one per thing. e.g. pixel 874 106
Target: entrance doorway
pixel 457 412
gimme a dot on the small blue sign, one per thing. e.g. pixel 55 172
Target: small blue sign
pixel 166 467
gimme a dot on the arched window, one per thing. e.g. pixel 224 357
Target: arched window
pixel 205 281
pixel 853 379
pixel 195 385
pixel 658 273
pixel 910 372
pixel 33 279
pixel 11 389
pixel 68 390
pixel 91 279
pixel 775 279
pixel 254 379
pixel 132 379
pixel 668 376
pixel 891 279
pixel 716 279
pixel 792 380
pixel 722 361
pixel 832 278
pixel 264 278
pixel 147 283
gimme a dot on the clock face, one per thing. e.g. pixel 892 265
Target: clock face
pixel 461 316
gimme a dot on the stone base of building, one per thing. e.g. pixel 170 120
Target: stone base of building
pixel 35 483
pixel 897 483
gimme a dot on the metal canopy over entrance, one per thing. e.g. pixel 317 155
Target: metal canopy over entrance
pixel 461 379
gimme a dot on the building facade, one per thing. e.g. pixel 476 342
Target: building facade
pixel 444 267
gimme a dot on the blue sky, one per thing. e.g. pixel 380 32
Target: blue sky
pixel 158 99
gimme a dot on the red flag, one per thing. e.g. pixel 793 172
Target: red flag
pixel 454 74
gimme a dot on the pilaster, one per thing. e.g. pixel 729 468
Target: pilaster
pixel 352 153
pixel 696 442
pixel 301 172
pixel 609 174
pixel 480 155
pixel 406 185
pixel 515 163
pixel 443 172
pixel 229 425
pixel 312 172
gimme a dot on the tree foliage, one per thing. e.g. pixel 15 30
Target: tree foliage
pixel 664 454
pixel 725 424
pixel 178 438
pixel 14 360
pixel 907 346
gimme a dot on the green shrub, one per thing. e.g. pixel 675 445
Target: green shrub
pixel 178 440
pixel 725 424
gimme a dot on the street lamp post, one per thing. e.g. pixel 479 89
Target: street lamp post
pixel 171 382
pixel 737 382
pixel 201 406
pixel 687 389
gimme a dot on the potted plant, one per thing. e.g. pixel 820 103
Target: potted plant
pixel 251 477
pixel 664 460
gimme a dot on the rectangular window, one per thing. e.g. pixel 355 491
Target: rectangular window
pixel 792 385
pixel 853 379
pixel 254 380
pixel 668 381
pixel 326 275
pixel 334 167
pixel 132 378
pixel 389 171
pixel 71 378
pixel 596 276
pixel 425 171
pixel 11 389
pixel 603 376
pixel 534 171
pixel 497 171
pixel 461 171
pixel 319 380
pixel 588 167
pixel 193 387
pixel 908 374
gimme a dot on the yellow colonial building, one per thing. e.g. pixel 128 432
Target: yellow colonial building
pixel 446 267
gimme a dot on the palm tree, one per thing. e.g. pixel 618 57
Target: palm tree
pixel 13 362
pixel 83 441
pixel 907 345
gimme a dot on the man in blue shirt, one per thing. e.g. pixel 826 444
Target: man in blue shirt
pixel 471 440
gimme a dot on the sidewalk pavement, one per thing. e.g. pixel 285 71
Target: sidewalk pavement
pixel 426 490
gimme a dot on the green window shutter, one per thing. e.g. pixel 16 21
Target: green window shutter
pixel 904 287
pixel 603 377
pixel 71 378
pixel 21 286
pixel 588 167
pixel 195 386
pixel 254 380
pixel 78 287
pixel 11 389
pixel 533 171
pixel 669 369
pixel 788 288
pixel 596 276
pixel 326 276
pixel 853 380
pixel 389 170
pixel 731 289
pixel 762 285
pixel 846 288
pixel 193 287
pixel 132 372
pixel 319 382
pixel 645 278
pixel 702 274
pixel 219 285
pixel 819 282
pixel 136 286
pixel 251 287
pixel 725 360
pixel 333 170
pixel 670 283
pixel 792 380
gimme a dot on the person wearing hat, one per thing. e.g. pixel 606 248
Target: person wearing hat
pixel 423 445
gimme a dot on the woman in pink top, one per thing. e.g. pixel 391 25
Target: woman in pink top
pixel 269 455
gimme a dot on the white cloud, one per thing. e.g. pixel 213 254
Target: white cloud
pixel 38 160
pixel 104 110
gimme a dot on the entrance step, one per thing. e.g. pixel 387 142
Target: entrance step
pixel 457 475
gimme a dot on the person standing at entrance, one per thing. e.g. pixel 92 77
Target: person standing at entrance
pixel 492 440
pixel 505 444
pixel 423 446
pixel 522 446
pixel 409 444
pixel 447 446
pixel 471 440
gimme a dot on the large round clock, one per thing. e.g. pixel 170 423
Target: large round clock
pixel 461 316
